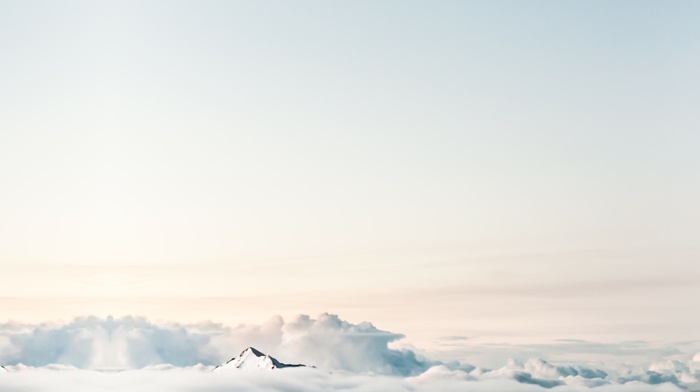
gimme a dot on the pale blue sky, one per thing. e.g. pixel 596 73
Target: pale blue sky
pixel 337 150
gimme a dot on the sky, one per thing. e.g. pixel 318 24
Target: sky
pixel 511 172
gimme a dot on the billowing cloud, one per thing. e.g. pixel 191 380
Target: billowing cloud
pixel 359 356
pixel 132 343
pixel 330 342
pixel 95 343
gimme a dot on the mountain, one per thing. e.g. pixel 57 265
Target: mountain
pixel 250 358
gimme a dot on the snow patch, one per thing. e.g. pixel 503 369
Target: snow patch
pixel 251 358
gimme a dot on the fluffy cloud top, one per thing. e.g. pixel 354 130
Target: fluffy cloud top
pixel 359 355
pixel 94 343
pixel 132 343
pixel 330 342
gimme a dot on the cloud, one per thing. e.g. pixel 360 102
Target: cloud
pixel 635 353
pixel 294 380
pixel 360 356
pixel 454 338
pixel 543 369
pixel 330 342
pixel 132 343
pixel 95 343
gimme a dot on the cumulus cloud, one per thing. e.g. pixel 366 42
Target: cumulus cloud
pixel 330 342
pixel 95 343
pixel 132 343
pixel 360 357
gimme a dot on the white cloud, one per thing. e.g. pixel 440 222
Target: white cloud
pixel 292 380
pixel 330 342
pixel 131 343
pixel 94 343
pixel 634 353
pixel 360 356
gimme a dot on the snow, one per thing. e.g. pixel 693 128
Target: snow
pixel 250 358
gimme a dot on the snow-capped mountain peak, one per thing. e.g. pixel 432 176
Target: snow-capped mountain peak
pixel 251 358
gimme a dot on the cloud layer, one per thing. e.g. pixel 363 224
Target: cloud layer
pixel 292 380
pixel 359 356
pixel 132 343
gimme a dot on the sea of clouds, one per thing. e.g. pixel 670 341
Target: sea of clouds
pixel 134 354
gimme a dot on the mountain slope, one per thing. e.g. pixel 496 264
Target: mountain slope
pixel 250 358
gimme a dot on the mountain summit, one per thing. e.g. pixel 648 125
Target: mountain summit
pixel 250 358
